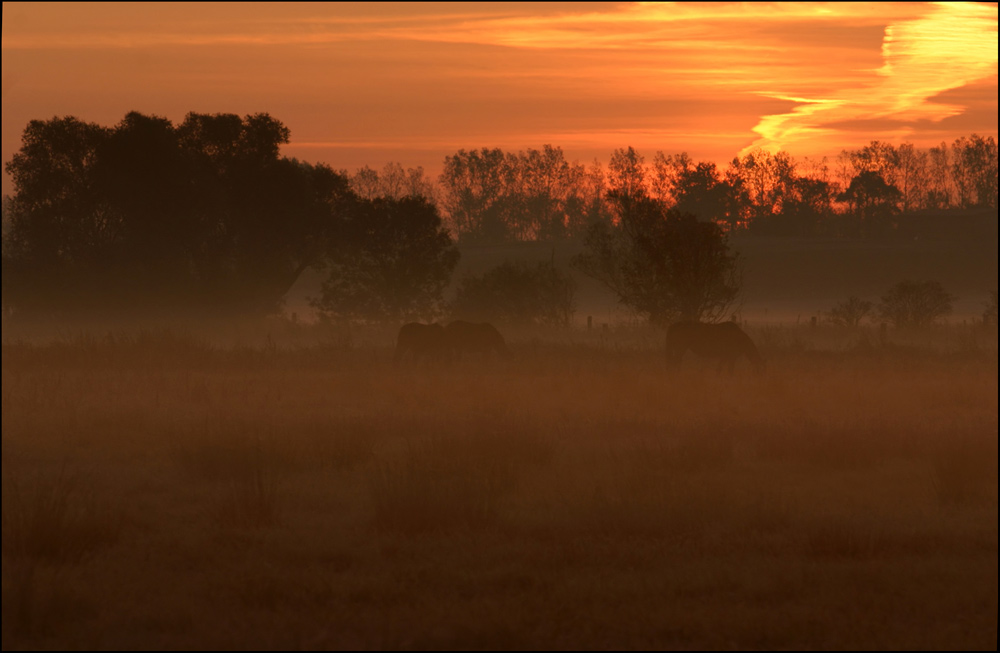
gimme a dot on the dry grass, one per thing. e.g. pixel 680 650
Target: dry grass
pixel 439 486
pixel 964 470
pixel 48 525
pixel 163 490
pixel 54 521
pixel 251 499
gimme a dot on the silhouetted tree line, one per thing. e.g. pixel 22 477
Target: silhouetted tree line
pixel 491 195
pixel 207 214
pixel 657 242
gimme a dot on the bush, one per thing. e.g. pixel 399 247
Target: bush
pixel 517 293
pixel 393 264
pixel 915 303
pixel 851 312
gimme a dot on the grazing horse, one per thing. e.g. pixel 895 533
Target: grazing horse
pixel 421 341
pixel 725 341
pixel 475 338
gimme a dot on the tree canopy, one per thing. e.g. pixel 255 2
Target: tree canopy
pixel 664 264
pixel 516 292
pixel 490 195
pixel 145 214
pixel 208 215
pixel 393 262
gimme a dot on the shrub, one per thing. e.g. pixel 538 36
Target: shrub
pixel 850 313
pixel 516 292
pixel 915 303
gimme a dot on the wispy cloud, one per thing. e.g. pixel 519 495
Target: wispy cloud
pixel 709 78
pixel 952 45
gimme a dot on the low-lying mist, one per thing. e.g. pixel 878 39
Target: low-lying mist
pixel 287 486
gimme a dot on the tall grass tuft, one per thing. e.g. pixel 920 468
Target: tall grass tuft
pixel 250 499
pixel 964 471
pixel 54 521
pixel 47 525
pixel 440 485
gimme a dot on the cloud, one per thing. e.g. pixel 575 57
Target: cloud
pixel 707 78
pixel 951 46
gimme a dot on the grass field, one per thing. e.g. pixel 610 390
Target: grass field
pixel 168 489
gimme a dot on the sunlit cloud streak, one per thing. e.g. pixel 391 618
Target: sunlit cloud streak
pixel 953 45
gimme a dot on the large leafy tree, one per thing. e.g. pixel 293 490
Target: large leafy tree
pixel 974 170
pixel 872 202
pixel 59 229
pixel 806 207
pixel 393 263
pixel 495 196
pixel 475 187
pixel 703 193
pixel 146 214
pixel 766 180
pixel 664 264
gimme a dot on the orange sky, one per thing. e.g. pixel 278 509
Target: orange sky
pixel 364 84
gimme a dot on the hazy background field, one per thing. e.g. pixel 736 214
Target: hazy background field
pixel 277 483
pixel 786 280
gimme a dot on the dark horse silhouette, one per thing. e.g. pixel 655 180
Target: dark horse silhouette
pixel 421 342
pixel 725 341
pixel 475 338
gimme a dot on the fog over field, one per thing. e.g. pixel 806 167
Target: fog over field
pixel 785 280
pixel 812 465
pixel 270 483
pixel 810 462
